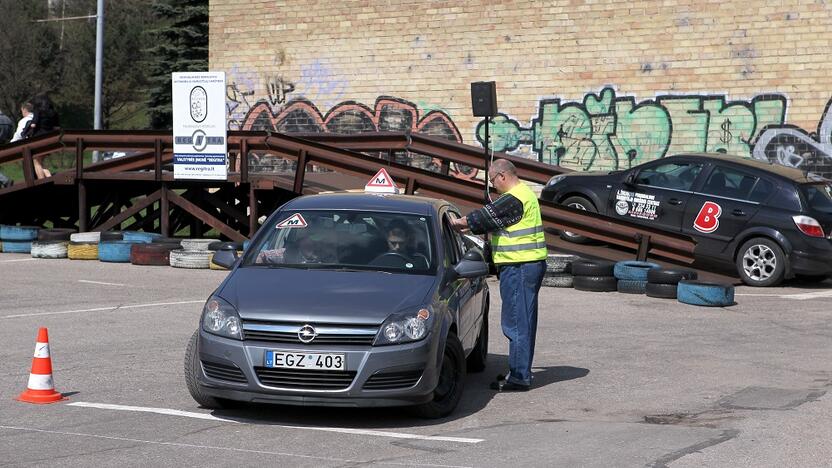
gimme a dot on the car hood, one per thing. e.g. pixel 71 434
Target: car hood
pixel 297 295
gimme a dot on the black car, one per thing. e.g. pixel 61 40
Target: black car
pixel 772 222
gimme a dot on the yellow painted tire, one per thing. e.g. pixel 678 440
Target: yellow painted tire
pixel 82 251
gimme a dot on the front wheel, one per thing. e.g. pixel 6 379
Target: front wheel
pixel 448 390
pixel 761 262
pixel 579 203
pixel 192 370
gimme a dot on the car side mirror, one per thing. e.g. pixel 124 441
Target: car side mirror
pixel 225 258
pixel 472 265
pixel 631 178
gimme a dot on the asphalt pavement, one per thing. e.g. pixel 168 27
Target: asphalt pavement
pixel 620 380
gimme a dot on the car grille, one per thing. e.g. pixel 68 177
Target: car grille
pixel 304 378
pixel 227 372
pixel 281 332
pixel 393 380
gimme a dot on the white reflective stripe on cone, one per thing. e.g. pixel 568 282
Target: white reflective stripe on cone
pixel 40 382
pixel 42 350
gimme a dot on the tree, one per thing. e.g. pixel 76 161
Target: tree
pixel 181 46
pixel 30 59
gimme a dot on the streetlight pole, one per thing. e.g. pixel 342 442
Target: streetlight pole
pixel 99 67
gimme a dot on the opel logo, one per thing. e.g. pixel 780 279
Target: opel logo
pixel 307 333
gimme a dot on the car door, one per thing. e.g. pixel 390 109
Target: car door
pixel 465 290
pixel 656 194
pixel 721 208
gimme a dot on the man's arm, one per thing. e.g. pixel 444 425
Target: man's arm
pixel 500 214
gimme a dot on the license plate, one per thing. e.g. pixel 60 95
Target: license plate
pixel 326 361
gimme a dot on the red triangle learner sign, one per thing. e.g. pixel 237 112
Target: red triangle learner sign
pixel 294 221
pixel 381 183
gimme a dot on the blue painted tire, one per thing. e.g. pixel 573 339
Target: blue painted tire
pixel 632 270
pixel 17 246
pixel 136 237
pixel 114 251
pixel 705 294
pixel 18 233
pixel 631 286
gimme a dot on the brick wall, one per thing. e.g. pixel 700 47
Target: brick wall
pixel 586 84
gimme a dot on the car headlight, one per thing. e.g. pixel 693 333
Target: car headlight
pixel 554 180
pixel 404 328
pixel 220 318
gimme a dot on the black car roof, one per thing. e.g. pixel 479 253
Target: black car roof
pixel 791 173
pixel 367 202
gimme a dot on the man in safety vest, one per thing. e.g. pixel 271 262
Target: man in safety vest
pixel 519 251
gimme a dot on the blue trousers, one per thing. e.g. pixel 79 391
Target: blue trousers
pixel 519 286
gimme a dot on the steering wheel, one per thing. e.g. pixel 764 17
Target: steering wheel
pixel 385 258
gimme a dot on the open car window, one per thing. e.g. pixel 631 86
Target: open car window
pixel 348 240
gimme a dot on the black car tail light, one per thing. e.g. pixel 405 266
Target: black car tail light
pixel 808 226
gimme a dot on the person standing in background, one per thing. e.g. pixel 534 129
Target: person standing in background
pixel 45 120
pixel 23 123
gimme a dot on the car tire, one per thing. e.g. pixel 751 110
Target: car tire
pixel 479 355
pixel 111 236
pixel 18 233
pixel 668 276
pixel 661 290
pixel 55 234
pixel 633 270
pixel 761 262
pixel 192 370
pixel 451 382
pixel 593 268
pixel 595 283
pixel 558 280
pixel 559 263
pixel 579 203
pixel 631 286
pixel 705 294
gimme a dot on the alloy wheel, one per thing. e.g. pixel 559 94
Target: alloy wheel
pixel 759 262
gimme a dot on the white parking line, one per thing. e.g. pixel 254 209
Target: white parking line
pixel 99 309
pixel 798 297
pixel 214 447
pixel 367 432
pixel 18 260
pixel 100 282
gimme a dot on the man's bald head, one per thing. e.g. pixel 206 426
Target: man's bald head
pixel 503 165
pixel 503 175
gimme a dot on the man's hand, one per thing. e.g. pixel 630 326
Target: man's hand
pixel 460 224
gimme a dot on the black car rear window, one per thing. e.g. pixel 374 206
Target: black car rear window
pixel 818 196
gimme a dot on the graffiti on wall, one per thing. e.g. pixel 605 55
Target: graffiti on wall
pixel 389 114
pixel 609 132
pixel 792 146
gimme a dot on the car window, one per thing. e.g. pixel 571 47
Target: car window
pixel 730 182
pixel 819 196
pixel 676 175
pixel 342 239
pixel 461 245
pixel 761 191
pixel 451 247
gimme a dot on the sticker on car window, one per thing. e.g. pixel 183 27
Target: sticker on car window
pixel 636 205
pixel 294 221
pixel 707 220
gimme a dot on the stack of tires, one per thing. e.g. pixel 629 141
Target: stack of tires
pixel 663 282
pixel 51 243
pixel 83 246
pixel 219 245
pixel 18 239
pixel 193 254
pixel 156 253
pixel 559 271
pixel 631 276
pixel 594 275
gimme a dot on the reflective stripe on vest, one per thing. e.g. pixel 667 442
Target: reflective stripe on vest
pixel 523 241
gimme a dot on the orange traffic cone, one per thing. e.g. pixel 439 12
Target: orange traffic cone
pixel 41 389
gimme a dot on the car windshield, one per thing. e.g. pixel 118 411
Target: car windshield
pixel 819 196
pixel 345 240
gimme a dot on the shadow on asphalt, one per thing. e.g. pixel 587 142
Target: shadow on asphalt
pixel 475 397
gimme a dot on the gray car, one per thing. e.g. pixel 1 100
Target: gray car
pixel 346 299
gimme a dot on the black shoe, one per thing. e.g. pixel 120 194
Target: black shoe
pixel 504 386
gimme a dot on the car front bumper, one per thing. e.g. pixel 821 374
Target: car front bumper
pixel 365 361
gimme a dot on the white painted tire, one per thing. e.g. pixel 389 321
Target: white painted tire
pixel 559 263
pixel 196 244
pixel 196 259
pixel 558 280
pixel 86 237
pixel 49 249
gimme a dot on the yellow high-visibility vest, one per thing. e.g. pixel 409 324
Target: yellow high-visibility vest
pixel 523 241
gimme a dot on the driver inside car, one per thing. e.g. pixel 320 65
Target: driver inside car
pixel 400 245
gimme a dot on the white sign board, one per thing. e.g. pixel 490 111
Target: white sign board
pixel 199 126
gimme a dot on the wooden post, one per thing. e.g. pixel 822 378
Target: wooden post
pixel 243 161
pixel 164 208
pixel 643 247
pixel 252 211
pixel 28 167
pixel 79 158
pixel 83 214
pixel 157 163
pixel 300 172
